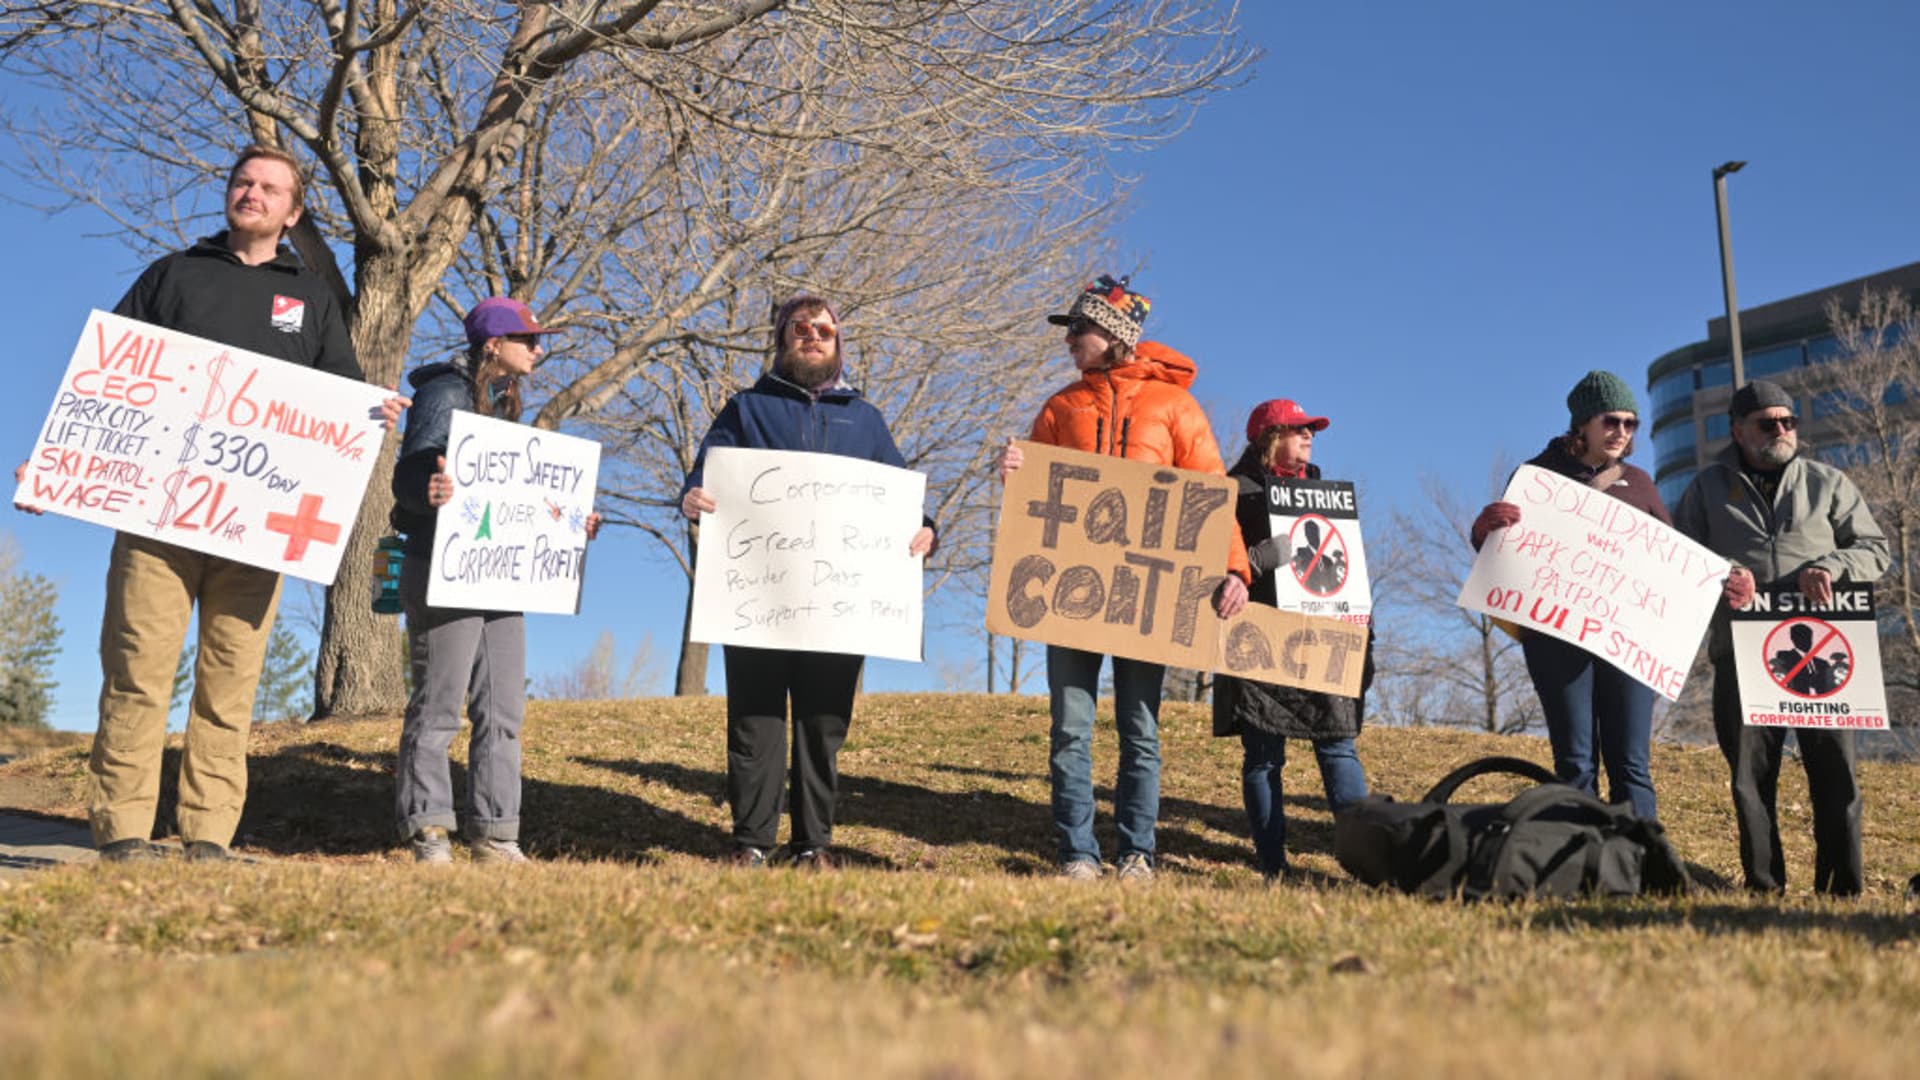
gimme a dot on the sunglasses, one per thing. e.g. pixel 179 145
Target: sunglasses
pixel 1627 424
pixel 805 331
pixel 531 341
pixel 1776 425
pixel 1081 326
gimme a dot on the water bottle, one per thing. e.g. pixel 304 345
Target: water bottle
pixel 387 557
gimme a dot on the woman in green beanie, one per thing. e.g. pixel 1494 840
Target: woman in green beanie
pixel 1580 693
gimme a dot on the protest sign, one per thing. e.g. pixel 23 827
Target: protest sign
pixel 1318 524
pixel 809 551
pixel 1810 667
pixel 1122 558
pixel 223 451
pixel 514 535
pixel 1586 568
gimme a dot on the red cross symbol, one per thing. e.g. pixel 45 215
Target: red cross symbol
pixel 303 527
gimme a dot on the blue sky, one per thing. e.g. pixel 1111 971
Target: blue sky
pixel 1424 221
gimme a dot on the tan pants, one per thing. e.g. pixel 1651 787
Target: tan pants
pixel 151 591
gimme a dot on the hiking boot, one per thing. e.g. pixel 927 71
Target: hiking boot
pixel 430 845
pixel 132 849
pixel 1135 867
pixel 1081 870
pixel 498 851
pixel 747 857
pixel 206 851
pixel 816 858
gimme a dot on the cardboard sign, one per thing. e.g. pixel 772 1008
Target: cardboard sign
pixel 1318 523
pixel 514 535
pixel 223 451
pixel 1588 569
pixel 809 551
pixel 1808 667
pixel 1122 558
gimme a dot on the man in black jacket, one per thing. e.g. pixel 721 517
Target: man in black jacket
pixel 241 287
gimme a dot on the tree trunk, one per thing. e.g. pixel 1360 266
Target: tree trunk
pixel 360 672
pixel 691 678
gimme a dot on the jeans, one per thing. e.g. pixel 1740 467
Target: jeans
pixel 1266 754
pixel 1073 682
pixel 1581 693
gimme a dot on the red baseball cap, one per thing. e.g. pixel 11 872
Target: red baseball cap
pixel 1281 412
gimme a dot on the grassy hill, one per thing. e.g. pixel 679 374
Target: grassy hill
pixel 947 949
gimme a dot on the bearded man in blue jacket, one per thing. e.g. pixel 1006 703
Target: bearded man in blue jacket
pixel 803 402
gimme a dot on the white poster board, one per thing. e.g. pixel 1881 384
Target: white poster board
pixel 809 551
pixel 1807 667
pixel 1586 568
pixel 514 535
pixel 220 450
pixel 1317 523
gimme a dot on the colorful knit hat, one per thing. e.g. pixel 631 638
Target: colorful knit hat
pixel 1599 392
pixel 1112 306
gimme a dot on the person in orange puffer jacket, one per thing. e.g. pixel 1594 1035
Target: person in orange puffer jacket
pixel 1130 401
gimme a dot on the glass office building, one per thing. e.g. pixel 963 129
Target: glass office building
pixel 1786 341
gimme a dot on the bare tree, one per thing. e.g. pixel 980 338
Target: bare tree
pixel 1872 395
pixel 650 173
pixel 598 677
pixel 1438 663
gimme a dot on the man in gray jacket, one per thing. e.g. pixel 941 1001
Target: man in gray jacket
pixel 1789 522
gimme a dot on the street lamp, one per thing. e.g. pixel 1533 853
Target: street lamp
pixel 1726 267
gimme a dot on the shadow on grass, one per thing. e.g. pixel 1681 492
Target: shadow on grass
pixel 322 798
pixel 1878 927
pixel 1022 829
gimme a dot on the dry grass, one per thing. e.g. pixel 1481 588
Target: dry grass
pixel 18 740
pixel 947 950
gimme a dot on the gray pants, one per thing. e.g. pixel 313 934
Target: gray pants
pixel 476 659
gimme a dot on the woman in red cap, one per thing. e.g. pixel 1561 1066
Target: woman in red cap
pixel 1280 438
pixel 1129 401
pixel 472 660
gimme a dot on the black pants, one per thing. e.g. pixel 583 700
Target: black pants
pixel 759 682
pixel 1753 754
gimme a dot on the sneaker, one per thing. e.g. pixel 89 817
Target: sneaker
pixel 1081 870
pixel 131 849
pixel 498 851
pixel 816 858
pixel 747 857
pixel 430 845
pixel 1135 867
pixel 206 851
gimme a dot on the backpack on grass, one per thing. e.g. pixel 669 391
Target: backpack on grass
pixel 1550 840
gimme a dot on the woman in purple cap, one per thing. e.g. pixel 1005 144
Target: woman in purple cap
pixel 1280 438
pixel 1581 694
pixel 476 659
